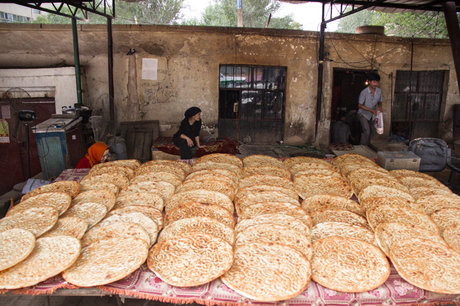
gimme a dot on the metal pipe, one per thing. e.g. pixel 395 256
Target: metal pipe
pixel 76 56
pixel 319 93
pixel 110 68
pixel 28 149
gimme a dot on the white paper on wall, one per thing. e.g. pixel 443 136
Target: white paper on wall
pixel 149 68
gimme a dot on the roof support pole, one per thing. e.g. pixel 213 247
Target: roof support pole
pixel 76 56
pixel 454 34
pixel 110 67
pixel 319 93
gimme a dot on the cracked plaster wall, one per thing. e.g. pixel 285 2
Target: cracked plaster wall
pixel 188 67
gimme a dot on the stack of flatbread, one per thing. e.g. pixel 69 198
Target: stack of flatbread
pixel 314 176
pixel 122 227
pixel 29 253
pixel 196 244
pixel 272 248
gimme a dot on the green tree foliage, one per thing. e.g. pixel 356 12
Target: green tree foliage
pixel 410 24
pixel 143 12
pixel 255 15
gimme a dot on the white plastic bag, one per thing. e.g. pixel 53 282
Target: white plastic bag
pixel 379 122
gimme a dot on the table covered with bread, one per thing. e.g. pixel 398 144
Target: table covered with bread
pixel 225 230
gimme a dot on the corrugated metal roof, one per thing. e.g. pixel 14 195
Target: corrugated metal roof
pixel 388 6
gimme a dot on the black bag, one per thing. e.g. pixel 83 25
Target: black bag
pixel 433 152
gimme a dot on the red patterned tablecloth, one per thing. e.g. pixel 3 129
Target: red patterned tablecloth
pixel 146 285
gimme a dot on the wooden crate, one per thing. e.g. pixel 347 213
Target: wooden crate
pixel 139 137
pixel 393 160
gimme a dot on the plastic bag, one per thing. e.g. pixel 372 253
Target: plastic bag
pixel 379 122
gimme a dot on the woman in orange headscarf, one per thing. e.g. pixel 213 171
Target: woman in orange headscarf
pixel 97 153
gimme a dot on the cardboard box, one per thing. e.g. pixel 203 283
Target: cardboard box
pixel 393 160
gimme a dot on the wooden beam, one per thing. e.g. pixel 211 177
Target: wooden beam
pixel 454 34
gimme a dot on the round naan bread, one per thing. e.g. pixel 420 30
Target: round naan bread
pixel 51 256
pixel 190 259
pixel 348 265
pixel 107 261
pixel 268 272
pixel 15 245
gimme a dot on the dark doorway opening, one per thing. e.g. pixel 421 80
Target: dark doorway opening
pixel 347 85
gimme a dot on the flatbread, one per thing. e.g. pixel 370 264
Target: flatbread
pixel 221 158
pixel 190 259
pixel 153 213
pixel 158 176
pixel 107 261
pixel 214 185
pixel 382 191
pixel 134 217
pixel 256 189
pixel 120 230
pixel 68 226
pixel 201 196
pixel 51 256
pixel 322 202
pixel 218 172
pixel 268 272
pixel 387 234
pixel 393 213
pixel 275 233
pixel 164 189
pixel 284 208
pixel 401 173
pixel 311 185
pixel 427 265
pixel 288 163
pixel 118 179
pixel 266 170
pixel 414 182
pixel 347 168
pixel 279 219
pixel 37 220
pixel 177 171
pixel 320 171
pixel 420 192
pixel 452 237
pixel 91 212
pixel 263 179
pixel 173 163
pixel 86 186
pixel 252 198
pixel 211 177
pixel 195 209
pixel 70 187
pixel 124 170
pixel 130 163
pixel 341 229
pixel 57 200
pixel 348 265
pixel 131 198
pixel 198 224
pixel 446 218
pixel 372 202
pixel 105 197
pixel 370 173
pixel 210 165
pixel 337 215
pixel 359 184
pixel 307 166
pixel 15 245
pixel 259 160
pixel 432 203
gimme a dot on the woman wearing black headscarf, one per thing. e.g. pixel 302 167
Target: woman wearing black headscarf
pixel 188 135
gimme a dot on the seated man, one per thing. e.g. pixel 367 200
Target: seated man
pixel 341 131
